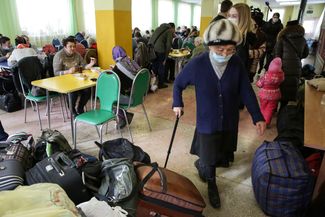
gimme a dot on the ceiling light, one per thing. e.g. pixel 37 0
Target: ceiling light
pixel 285 0
pixel 289 3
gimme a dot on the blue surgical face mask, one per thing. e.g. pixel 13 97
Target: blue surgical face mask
pixel 220 58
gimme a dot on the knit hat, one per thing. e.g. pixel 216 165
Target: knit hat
pixel 275 65
pixel 222 32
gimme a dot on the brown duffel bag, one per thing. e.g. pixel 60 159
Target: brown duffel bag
pixel 166 193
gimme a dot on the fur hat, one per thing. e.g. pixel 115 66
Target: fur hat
pixel 222 32
pixel 292 23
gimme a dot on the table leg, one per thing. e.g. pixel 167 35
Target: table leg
pixel 48 108
pixel 176 67
pixel 71 119
pixel 319 189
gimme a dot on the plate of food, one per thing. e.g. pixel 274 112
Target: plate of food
pixel 95 69
pixel 80 76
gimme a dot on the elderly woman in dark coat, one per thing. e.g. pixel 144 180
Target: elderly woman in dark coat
pixel 291 47
pixel 220 81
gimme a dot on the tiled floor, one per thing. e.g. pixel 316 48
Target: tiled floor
pixel 234 183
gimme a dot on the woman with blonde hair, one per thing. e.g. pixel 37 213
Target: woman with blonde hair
pixel 240 14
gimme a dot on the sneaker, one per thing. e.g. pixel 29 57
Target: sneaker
pixel 161 86
pixel 213 194
pixel 199 169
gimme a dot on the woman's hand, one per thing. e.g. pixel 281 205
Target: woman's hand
pixel 178 111
pixel 260 127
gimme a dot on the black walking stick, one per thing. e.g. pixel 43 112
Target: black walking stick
pixel 172 139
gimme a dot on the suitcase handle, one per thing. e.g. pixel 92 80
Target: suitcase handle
pixel 56 167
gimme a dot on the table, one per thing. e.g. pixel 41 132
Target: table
pixel 315 130
pixel 178 55
pixel 66 84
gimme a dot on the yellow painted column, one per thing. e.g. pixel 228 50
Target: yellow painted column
pixel 113 27
pixel 209 9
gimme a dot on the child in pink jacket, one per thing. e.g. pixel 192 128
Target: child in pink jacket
pixel 269 93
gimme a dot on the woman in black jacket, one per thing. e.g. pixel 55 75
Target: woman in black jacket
pixel 291 47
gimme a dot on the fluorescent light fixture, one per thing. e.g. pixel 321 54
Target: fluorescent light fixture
pixel 285 0
pixel 289 3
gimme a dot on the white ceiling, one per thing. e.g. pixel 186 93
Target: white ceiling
pixel 272 3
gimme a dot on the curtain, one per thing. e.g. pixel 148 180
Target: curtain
pixel 43 20
pixel 9 24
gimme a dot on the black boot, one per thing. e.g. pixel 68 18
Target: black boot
pixel 213 193
pixel 200 170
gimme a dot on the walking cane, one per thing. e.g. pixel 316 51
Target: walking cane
pixel 172 139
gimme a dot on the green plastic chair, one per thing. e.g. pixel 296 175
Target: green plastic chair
pixel 108 92
pixel 29 69
pixel 139 89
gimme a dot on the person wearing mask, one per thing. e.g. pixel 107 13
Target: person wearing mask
pixel 68 61
pixel 224 8
pixel 5 48
pixel 162 39
pixel 291 47
pixel 271 29
pixel 220 81
pixel 22 50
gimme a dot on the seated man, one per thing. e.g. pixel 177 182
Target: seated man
pixel 68 61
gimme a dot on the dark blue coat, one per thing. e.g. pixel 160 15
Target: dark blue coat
pixel 217 101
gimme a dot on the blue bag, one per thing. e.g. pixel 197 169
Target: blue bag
pixel 282 182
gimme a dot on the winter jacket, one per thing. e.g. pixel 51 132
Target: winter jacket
pixel 291 47
pixel 270 81
pixel 271 30
pixel 162 39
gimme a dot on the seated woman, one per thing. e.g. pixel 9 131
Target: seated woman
pixel 125 68
pixel 22 50
pixel 68 61
pixel 5 48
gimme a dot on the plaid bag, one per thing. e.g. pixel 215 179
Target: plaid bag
pixel 19 147
pixel 282 182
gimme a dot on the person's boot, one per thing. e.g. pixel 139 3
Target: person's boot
pixel 213 193
pixel 200 170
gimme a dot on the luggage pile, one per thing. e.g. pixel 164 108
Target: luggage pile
pixel 284 171
pixel 123 182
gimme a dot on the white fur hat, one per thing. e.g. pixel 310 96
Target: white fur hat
pixel 222 32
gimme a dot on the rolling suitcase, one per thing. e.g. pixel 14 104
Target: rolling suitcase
pixel 163 192
pixel 61 170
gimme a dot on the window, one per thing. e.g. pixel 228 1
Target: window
pixel 139 18
pixel 184 15
pixel 89 17
pixel 166 11
pixel 197 16
pixel 41 18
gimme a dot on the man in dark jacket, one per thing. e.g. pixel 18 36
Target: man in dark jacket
pixel 224 8
pixel 162 39
pixel 271 29
pixel 291 47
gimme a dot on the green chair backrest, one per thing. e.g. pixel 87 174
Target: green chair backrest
pixel 108 90
pixel 140 86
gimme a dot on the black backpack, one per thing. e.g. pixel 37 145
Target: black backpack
pixel 122 148
pixel 10 102
pixel 50 142
pixel 141 55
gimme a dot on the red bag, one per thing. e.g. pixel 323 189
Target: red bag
pixel 314 162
